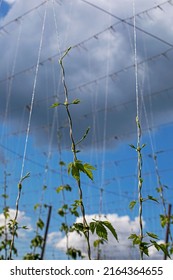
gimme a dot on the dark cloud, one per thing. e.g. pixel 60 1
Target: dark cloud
pixel 99 71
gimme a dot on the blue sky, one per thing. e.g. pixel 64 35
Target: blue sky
pixel 100 72
pixel 4 8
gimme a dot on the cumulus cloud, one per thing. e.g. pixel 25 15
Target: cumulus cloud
pixel 53 238
pixel 99 69
pixel 122 250
pixel 23 220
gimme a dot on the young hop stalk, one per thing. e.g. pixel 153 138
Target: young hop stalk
pixel 13 222
pixel 138 147
pixel 140 181
pixel 75 159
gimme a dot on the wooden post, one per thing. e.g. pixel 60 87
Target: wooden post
pixel 168 228
pixel 46 231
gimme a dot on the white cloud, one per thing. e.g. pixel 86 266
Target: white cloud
pixel 123 249
pixel 54 238
pixel 23 220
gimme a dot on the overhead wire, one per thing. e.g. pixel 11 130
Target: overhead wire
pixel 9 90
pixel 2 27
pixel 116 73
pixel 33 92
pixel 95 36
pixel 128 23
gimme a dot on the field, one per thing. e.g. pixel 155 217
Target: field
pixel 86 129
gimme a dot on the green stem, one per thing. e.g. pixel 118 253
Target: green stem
pixel 140 181
pixel 73 147
pixel 14 222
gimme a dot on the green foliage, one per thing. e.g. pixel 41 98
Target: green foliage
pixel 62 163
pixel 150 197
pixel 77 166
pixel 164 220
pixel 64 228
pixel 153 235
pixel 37 241
pixel 132 204
pixel 98 242
pixel 36 206
pixel 62 211
pixel 40 224
pixel 100 227
pixel 74 253
pixel 144 246
pixel 31 256
pixel 64 187
pixel 76 101
pixel 162 247
pixel 54 105
pixel 75 206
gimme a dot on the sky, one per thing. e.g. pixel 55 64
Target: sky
pixel 100 71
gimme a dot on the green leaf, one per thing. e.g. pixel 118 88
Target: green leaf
pixel 87 170
pixel 97 242
pixel 36 206
pixel 144 248
pixel 73 253
pixel 37 241
pixel 92 226
pixel 153 198
pixel 153 235
pixel 136 239
pixel 111 228
pixel 61 212
pixel 171 250
pixel 79 165
pixel 24 227
pixel 40 224
pixel 63 187
pixel 74 212
pixel 163 220
pixel 62 163
pixel 54 105
pixel 78 227
pixel 132 146
pixel 76 101
pixel 75 172
pixel 155 245
pixel 5 196
pixel 132 204
pixel 159 190
pixel 100 230
pixel 164 249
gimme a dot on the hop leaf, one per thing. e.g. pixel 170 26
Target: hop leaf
pixel 132 204
pixel 54 105
pixel 76 101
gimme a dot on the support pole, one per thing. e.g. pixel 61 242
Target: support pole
pixel 168 228
pixel 46 231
